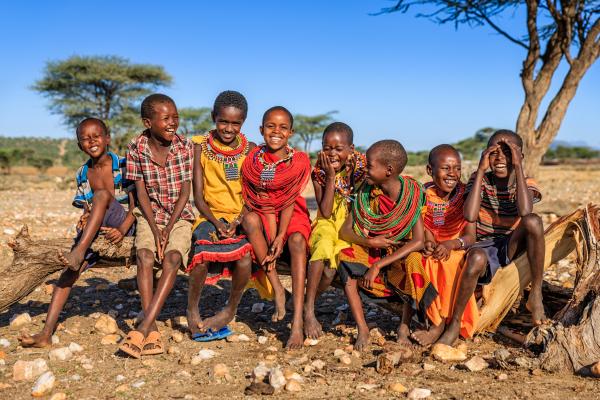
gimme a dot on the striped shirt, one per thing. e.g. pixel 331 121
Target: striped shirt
pixel 163 183
pixel 84 192
pixel 498 214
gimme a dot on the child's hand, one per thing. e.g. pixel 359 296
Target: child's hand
pixel 84 218
pixel 484 162
pixel 515 153
pixel 381 242
pixel 442 252
pixel 159 245
pixel 222 229
pixel 112 234
pixel 274 252
pixel 326 165
pixel 428 248
pixel 368 279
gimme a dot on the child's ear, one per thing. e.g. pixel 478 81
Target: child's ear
pixel 292 131
pixel 146 122
pixel 389 171
pixel 352 147
pixel 260 128
pixel 79 145
pixel 429 170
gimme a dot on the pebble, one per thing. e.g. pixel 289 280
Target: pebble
pixel 243 338
pixel 206 354
pixel 4 343
pixel 311 342
pixel 20 320
pixel 59 396
pixel 442 352
pixel 220 370
pixel 262 339
pixel 138 384
pixel 173 350
pixel 418 393
pixel 87 366
pixel 28 370
pixel 44 384
pixel 345 359
pixel 428 367
pixel 270 357
pixel 110 339
pixel 476 364
pixel 260 372
pixel 177 336
pixel 537 372
pixel 106 325
pixel 292 375
pixel 367 386
pixel 276 378
pixel 397 387
pixel 318 364
pixel 75 348
pixel 55 339
pixel 258 307
pixel 502 354
pixel 121 388
pixel 61 354
pixel 75 377
pixel 272 349
pixel 299 360
pixel 502 377
pixel 180 322
pixel 232 339
pixel 522 362
pixel 293 386
pixel 184 374
pixel 119 378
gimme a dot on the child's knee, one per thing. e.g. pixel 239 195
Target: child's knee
pixel 475 263
pixel 172 260
pixel 533 223
pixel 145 258
pixel 297 242
pixel 329 273
pixel 245 261
pixel 101 196
pixel 251 221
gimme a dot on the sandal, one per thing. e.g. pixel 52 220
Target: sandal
pixel 210 334
pixel 154 344
pixel 133 344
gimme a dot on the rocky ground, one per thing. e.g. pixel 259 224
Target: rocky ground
pixel 84 363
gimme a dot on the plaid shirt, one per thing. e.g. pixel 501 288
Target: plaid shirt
pixel 163 184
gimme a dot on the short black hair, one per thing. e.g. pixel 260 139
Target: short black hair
pixel 506 132
pixel 147 108
pixel 279 108
pixel 390 152
pixel 341 128
pixel 230 98
pixel 437 150
pixel 92 120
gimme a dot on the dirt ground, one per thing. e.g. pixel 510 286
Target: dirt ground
pixel 100 372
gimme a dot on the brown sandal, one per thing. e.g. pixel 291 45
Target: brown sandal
pixel 154 343
pixel 133 344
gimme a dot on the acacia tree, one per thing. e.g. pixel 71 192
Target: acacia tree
pixel 308 128
pixel 195 121
pixel 556 32
pixel 106 87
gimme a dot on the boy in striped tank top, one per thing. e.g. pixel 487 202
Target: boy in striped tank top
pixel 500 199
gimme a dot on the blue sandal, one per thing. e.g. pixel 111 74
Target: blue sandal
pixel 209 335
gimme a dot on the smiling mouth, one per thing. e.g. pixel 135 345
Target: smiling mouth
pixel 500 166
pixel 94 148
pixel 450 182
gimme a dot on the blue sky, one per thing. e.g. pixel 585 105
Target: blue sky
pixel 389 76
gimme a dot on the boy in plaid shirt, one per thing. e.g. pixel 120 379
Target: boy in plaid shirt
pixel 160 162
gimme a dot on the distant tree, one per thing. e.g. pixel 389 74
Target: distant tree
pixel 471 148
pixel 195 121
pixel 309 128
pixel 556 32
pixel 106 87
pixel 571 153
pixel 41 163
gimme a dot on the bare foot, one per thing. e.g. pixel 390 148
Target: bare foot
pixel 403 335
pixel 450 335
pixel 362 340
pixel 296 340
pixel 219 320
pixel 279 313
pixel 72 260
pixel 312 327
pixel 536 307
pixel 426 337
pixel 39 340
pixel 194 320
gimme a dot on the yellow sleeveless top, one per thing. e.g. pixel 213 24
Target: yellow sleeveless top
pixel 223 196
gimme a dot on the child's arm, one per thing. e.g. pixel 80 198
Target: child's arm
pixel 414 244
pixel 184 196
pixel 146 207
pixel 473 201
pixel 524 196
pixel 430 244
pixel 378 242
pixel 467 238
pixel 324 196
pixel 199 202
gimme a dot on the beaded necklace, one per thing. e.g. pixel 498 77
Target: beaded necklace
pixel 229 158
pixel 445 212
pixel 399 221
pixel 267 175
pixel 345 183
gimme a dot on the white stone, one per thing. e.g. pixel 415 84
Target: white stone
pixel 293 386
pixel 318 364
pixel 138 384
pixel 243 338
pixel 120 378
pixel 4 343
pixel 55 340
pixel 184 374
pixel 367 386
pixel 262 339
pixel 75 377
pixel 75 347
pixel 28 370
pixel 20 320
pixel 9 231
pixel 220 370
pixel 260 372
pixel 258 307
pixel 61 354
pixel 177 336
pixel 345 359
pixel 206 354
pixel 418 393
pixel 310 342
pixel 339 353
pixel 476 364
pixel 87 366
pixel 44 384
pixel 276 378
